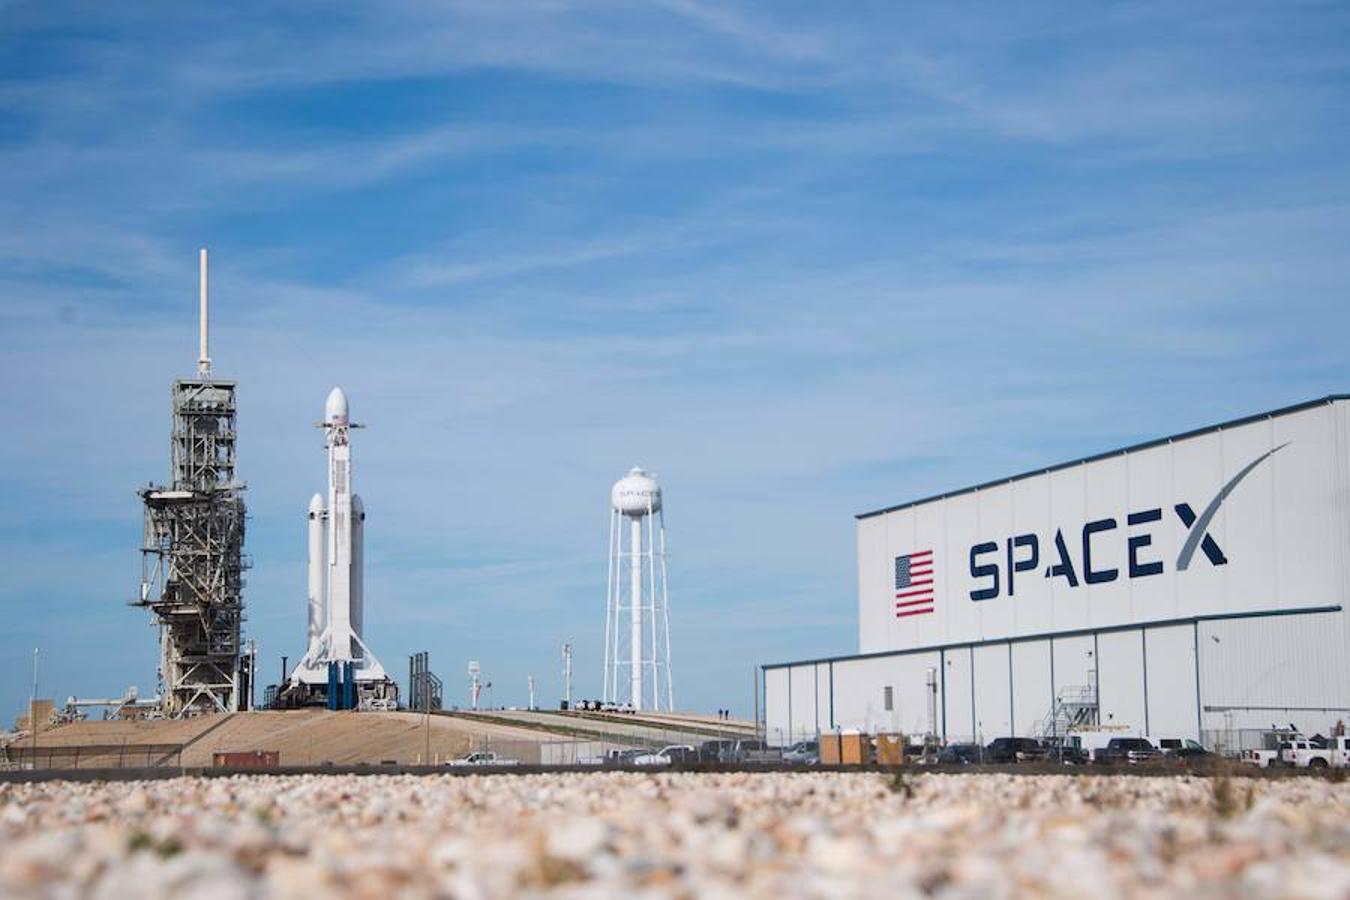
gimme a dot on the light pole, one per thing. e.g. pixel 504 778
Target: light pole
pixel 32 707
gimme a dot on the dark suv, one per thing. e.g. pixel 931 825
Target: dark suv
pixel 960 755
pixel 1013 750
pixel 1067 750
pixel 712 751
pixel 1127 750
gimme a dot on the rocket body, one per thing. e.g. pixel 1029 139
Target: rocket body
pixel 356 612
pixel 339 533
pixel 334 598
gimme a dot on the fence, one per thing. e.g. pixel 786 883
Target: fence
pixel 582 739
pixel 92 756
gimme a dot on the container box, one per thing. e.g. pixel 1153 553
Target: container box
pixel 248 759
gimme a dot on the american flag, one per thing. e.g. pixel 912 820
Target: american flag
pixel 914 584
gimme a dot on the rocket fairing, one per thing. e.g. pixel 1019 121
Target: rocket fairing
pixel 336 567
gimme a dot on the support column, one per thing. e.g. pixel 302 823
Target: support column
pixel 635 599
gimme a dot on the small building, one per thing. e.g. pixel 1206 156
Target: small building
pixel 1189 587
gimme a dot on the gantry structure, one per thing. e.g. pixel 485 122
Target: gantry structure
pixel 193 563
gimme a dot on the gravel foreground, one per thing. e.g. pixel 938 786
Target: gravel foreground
pixel 677 835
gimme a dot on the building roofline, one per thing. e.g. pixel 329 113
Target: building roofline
pixel 1156 442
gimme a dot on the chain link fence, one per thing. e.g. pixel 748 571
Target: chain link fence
pixel 27 756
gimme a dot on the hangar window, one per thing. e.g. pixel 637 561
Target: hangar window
pixel 888 698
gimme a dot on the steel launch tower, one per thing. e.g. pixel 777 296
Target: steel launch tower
pixel 637 614
pixel 192 555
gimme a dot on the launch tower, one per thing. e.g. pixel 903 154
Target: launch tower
pixel 192 555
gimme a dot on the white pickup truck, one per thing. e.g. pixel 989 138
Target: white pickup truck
pixel 1269 753
pixel 1303 754
pixel 483 758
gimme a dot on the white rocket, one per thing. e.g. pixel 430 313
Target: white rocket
pixel 336 569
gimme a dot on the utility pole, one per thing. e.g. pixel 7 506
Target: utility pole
pixel 32 707
pixel 755 687
pixel 252 673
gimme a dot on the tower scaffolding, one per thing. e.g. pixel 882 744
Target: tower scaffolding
pixel 192 560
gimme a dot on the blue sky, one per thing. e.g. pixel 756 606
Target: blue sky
pixel 801 261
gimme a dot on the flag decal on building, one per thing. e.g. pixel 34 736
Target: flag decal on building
pixel 914 584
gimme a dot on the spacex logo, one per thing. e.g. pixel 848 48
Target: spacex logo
pixel 997 568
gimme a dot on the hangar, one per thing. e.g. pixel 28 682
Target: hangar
pixel 1189 587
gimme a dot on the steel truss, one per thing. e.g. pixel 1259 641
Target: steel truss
pixel 192 557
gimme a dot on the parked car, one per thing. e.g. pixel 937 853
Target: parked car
pixel 1272 745
pixel 1067 749
pixel 803 753
pixel 483 758
pixel 753 751
pixel 675 753
pixel 1183 749
pixel 1013 750
pixel 1319 753
pixel 1127 750
pixel 622 757
pixel 712 751
pixel 961 755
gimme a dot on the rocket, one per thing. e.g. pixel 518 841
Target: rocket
pixel 334 601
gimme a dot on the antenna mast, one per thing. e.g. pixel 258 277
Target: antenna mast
pixel 203 358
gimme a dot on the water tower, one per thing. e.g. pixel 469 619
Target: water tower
pixel 637 612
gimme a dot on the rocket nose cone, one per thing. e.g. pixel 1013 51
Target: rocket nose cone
pixel 316 503
pixel 335 408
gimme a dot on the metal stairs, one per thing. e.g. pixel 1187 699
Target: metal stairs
pixel 1075 709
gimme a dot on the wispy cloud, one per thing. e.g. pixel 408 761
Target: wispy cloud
pixel 800 263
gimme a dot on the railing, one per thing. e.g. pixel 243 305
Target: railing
pixel 1075 706
pixel 91 756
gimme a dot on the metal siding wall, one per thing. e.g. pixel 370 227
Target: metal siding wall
pixel 1075 662
pixel 1106 497
pixel 1284 530
pixel 991 692
pixel 1171 683
pixel 958 700
pixel 803 702
pixel 858 694
pixel 954 617
pixel 823 697
pixel 1031 686
pixel 1031 515
pixel 1120 664
pixel 776 700
pixel 910 679
pixel 994 516
pixel 1151 485
pixel 1066 494
pixel 874 614
pixel 928 531
pixel 1283 663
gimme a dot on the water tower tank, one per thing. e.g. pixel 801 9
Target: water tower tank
pixel 636 494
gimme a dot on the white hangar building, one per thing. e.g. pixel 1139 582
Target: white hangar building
pixel 1193 587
